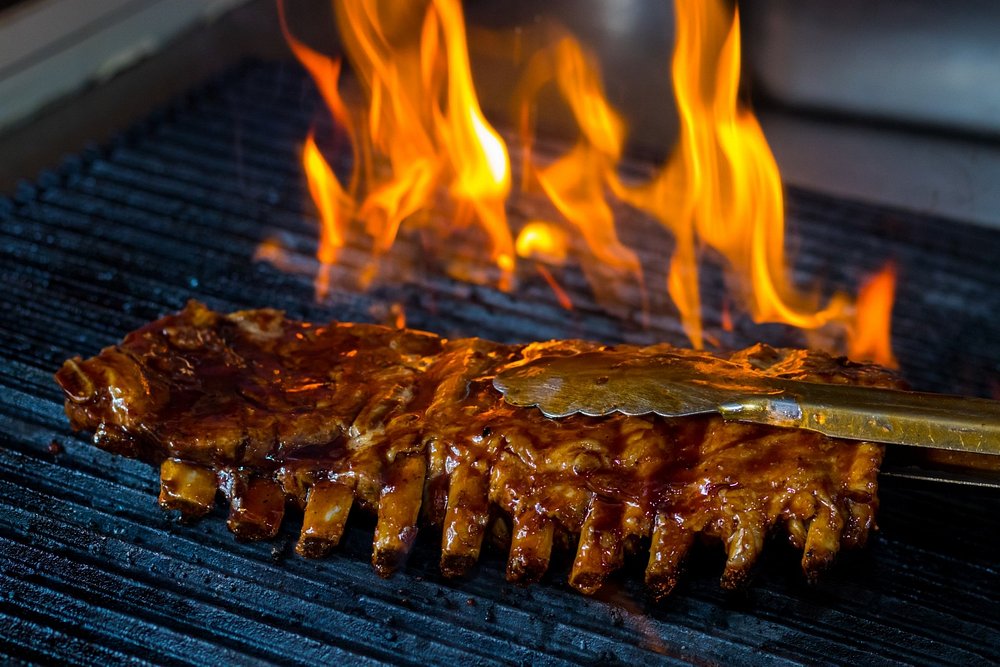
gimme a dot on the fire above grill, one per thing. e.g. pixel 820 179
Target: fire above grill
pixel 424 156
pixel 176 207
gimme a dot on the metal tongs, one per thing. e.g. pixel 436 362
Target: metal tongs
pixel 678 385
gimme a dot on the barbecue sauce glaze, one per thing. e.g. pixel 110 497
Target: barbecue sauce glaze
pixel 408 425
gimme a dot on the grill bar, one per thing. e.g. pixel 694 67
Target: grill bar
pixel 93 572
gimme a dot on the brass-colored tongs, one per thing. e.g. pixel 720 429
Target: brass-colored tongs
pixel 677 385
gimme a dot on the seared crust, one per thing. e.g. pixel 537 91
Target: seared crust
pixel 408 425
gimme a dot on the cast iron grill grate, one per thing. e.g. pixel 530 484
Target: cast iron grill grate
pixel 92 571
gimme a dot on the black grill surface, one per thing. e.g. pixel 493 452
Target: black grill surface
pixel 91 571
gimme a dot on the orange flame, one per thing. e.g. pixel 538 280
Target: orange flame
pixel 422 132
pixel 398 313
pixel 721 188
pixel 334 209
pixel 548 244
pixel 543 241
pixel 871 338
pixel 421 144
pixel 576 182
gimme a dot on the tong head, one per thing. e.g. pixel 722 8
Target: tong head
pixel 673 385
pixel 600 383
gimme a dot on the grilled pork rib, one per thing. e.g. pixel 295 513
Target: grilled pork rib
pixel 408 425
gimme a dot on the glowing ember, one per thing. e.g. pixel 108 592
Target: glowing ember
pixel 421 144
pixel 273 251
pixel 398 314
pixel 549 244
pixel 543 241
pixel 561 296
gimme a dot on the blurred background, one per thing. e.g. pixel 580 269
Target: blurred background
pixel 886 102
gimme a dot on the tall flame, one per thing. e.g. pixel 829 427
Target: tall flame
pixel 422 144
pixel 334 210
pixel 475 153
pixel 721 188
pixel 576 182
pixel 422 133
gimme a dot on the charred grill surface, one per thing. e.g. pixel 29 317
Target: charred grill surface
pixel 408 425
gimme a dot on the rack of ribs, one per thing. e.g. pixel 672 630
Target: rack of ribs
pixel 407 425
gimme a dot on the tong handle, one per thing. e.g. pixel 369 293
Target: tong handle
pixel 878 415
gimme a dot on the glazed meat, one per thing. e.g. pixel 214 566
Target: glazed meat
pixel 407 425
